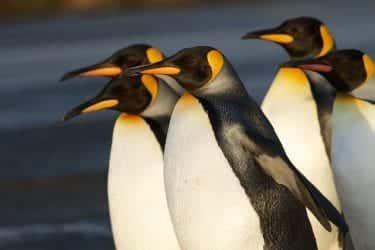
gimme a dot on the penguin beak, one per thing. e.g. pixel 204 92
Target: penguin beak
pixel 101 69
pixel 95 104
pixel 310 64
pixel 164 67
pixel 272 35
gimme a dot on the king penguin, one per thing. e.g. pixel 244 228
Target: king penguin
pixel 229 182
pixel 138 208
pixel 352 74
pixel 294 109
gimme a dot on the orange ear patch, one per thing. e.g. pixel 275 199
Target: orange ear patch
pixel 369 66
pixel 328 41
pixel 154 55
pixel 216 61
pixel 151 85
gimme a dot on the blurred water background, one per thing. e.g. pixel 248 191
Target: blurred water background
pixel 53 173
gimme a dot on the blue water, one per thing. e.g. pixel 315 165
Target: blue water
pixel 53 173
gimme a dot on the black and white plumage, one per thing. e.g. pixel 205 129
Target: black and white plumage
pixel 229 182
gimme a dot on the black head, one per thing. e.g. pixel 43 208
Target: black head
pixel 301 37
pixel 192 68
pixel 130 95
pixel 138 54
pixel 346 70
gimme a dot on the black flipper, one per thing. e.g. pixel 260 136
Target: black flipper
pixel 275 163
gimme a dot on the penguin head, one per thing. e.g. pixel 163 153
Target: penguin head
pixel 130 95
pixel 113 66
pixel 301 37
pixel 193 68
pixel 347 71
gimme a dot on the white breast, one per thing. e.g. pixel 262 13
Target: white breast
pixel 209 208
pixel 353 155
pixel 138 209
pixel 290 107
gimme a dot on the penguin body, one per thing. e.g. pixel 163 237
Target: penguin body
pixel 138 207
pixel 229 183
pixel 209 207
pixel 353 141
pixel 298 114
pixel 137 202
pixel 350 72
pixel 206 186
pixel 292 109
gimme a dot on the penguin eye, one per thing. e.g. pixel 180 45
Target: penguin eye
pixel 118 89
pixel 203 69
pixel 128 61
pixel 299 30
pixel 294 29
pixel 188 62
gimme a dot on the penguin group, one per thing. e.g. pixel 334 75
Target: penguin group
pixel 196 164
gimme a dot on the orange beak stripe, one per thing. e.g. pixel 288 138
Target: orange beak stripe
pixel 101 105
pixel 162 71
pixel 110 71
pixel 278 38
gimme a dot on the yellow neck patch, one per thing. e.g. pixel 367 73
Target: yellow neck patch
pixel 278 38
pixel 216 61
pixel 151 85
pixel 327 39
pixel 154 55
pixel 128 119
pixel 369 66
pixel 293 75
pixel 348 100
pixel 187 99
pixel 101 105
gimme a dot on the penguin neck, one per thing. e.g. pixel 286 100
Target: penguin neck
pixel 159 112
pixel 172 83
pixel 324 96
pixel 227 82
pixel 315 53
pixel 316 80
pixel 162 106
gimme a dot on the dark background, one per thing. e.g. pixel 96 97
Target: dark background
pixel 53 173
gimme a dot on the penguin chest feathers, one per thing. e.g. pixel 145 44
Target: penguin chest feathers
pixel 138 208
pixel 208 205
pixel 291 108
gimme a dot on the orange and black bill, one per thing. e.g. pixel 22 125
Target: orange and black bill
pixel 272 35
pixel 95 104
pixel 100 69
